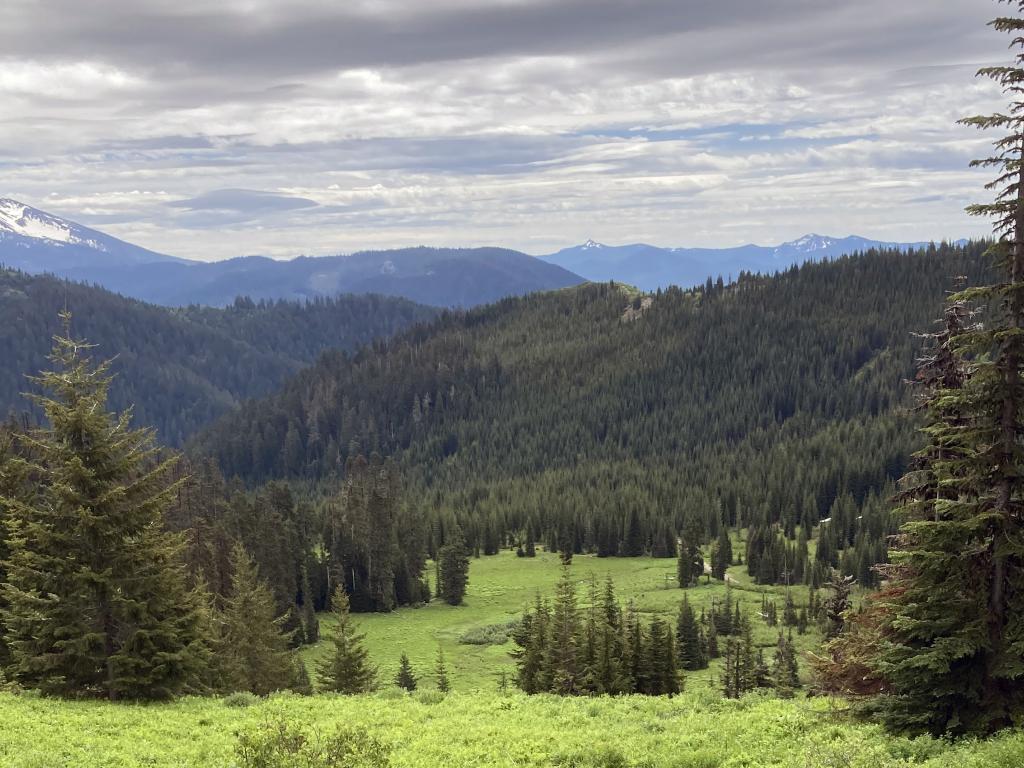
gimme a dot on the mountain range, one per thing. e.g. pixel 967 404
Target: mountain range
pixel 34 241
pixel 650 267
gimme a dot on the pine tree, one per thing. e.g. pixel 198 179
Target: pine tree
pixel 253 652
pixel 405 678
pixel 453 570
pixel 441 673
pixel 346 668
pixel 96 602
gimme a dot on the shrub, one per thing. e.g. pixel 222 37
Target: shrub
pixel 241 699
pixel 492 634
pixel 282 744
pixel 430 696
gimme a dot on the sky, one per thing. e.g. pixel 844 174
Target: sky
pixel 286 127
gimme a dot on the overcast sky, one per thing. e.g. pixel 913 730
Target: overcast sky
pixel 283 127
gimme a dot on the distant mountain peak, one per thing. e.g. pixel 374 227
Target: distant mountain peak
pixel 22 220
pixel 591 245
pixel 809 243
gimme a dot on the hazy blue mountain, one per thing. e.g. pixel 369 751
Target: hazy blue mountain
pixel 36 242
pixel 443 277
pixel 651 267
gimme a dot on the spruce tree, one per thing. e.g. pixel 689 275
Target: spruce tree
pixel 310 623
pixel 345 668
pixel 453 570
pixel 405 679
pixel 96 601
pixel 254 652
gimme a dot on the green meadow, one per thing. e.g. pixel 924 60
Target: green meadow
pixel 479 725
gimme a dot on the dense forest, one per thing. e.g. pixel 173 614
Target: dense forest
pixel 181 369
pixel 598 419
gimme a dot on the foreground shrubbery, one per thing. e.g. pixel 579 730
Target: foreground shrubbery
pixel 463 730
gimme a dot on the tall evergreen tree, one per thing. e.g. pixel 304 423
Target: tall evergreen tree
pixel 721 554
pixel 689 642
pixel 951 655
pixel 254 650
pixel 562 642
pixel 96 602
pixel 345 668
pixel 453 570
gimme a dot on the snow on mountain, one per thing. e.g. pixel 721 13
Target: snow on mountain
pixel 35 241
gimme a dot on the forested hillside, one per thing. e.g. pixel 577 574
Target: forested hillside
pixel 183 368
pixel 613 419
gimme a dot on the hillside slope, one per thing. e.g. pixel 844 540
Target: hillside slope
pixel 766 400
pixel 183 368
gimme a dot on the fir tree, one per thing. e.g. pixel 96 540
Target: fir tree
pixel 453 570
pixel 785 677
pixel 721 554
pixel 688 639
pixel 952 656
pixel 253 652
pixel 310 623
pixel 405 679
pixel 346 668
pixel 441 673
pixel 96 602
pixel 562 643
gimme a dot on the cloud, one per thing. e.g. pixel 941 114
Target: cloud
pixel 209 130
pixel 246 201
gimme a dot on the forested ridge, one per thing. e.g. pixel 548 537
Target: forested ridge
pixel 584 412
pixel 182 368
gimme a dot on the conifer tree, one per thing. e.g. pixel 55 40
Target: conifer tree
pixel 952 655
pixel 562 643
pixel 96 601
pixel 453 570
pixel 254 650
pixel 346 668
pixel 441 672
pixel 721 554
pixel 310 623
pixel 785 677
pixel 405 679
pixel 688 639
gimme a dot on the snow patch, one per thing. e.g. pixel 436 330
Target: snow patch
pixel 19 219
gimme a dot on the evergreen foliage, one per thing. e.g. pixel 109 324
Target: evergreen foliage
pixel 180 369
pixel 597 649
pixel 405 679
pixel 346 668
pixel 253 653
pixel 441 673
pixel 95 601
pixel 453 570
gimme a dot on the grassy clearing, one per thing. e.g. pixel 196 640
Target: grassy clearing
pixel 501 585
pixel 484 729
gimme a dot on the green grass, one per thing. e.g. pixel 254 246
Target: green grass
pixel 476 725
pixel 500 587
pixel 484 729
